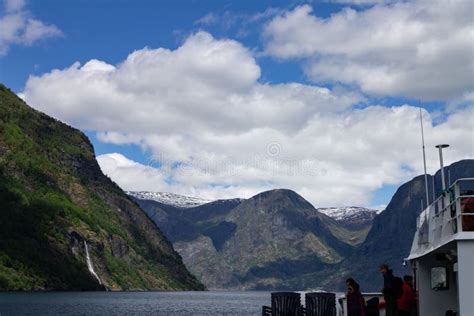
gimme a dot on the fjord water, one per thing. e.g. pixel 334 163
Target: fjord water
pixel 133 303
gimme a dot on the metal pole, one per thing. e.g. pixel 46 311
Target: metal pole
pixel 443 183
pixel 440 147
pixel 424 161
pixel 433 193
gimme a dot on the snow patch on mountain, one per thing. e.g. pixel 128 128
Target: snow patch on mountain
pixel 349 213
pixel 167 198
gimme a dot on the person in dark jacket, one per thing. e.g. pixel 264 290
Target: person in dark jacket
pixel 407 300
pixel 355 300
pixel 389 291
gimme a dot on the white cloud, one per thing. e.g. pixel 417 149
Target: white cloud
pixel 242 24
pixel 420 49
pixel 134 176
pixel 14 5
pixel 364 2
pixel 208 19
pixel 215 131
pixel 18 27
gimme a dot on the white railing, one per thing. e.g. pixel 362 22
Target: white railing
pixel 451 213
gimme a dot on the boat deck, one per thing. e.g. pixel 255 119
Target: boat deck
pixel 448 218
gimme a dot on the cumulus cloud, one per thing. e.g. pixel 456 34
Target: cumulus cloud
pixel 215 131
pixel 18 27
pixel 419 49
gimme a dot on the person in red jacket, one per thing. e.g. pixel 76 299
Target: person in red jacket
pixel 407 300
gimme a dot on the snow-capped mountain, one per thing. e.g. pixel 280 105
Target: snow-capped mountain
pixel 350 215
pixel 167 198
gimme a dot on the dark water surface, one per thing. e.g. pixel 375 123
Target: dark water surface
pixel 133 303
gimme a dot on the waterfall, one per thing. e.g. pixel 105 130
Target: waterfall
pixel 89 263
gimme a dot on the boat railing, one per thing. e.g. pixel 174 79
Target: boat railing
pixel 377 309
pixel 452 212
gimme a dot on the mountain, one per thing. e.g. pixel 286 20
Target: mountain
pixel 390 238
pixel 277 240
pixel 353 223
pixel 273 240
pixel 66 226
pixel 179 223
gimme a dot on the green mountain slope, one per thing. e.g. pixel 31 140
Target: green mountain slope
pixel 57 210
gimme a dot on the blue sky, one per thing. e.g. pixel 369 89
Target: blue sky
pixel 325 49
pixel 110 30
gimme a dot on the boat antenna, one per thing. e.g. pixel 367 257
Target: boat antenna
pixel 424 159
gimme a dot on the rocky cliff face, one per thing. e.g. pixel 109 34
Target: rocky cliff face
pixel 66 226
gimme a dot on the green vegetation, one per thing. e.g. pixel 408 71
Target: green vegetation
pixel 28 256
pixel 53 198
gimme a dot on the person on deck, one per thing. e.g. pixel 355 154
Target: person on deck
pixel 355 300
pixel 389 291
pixel 407 300
pixel 350 281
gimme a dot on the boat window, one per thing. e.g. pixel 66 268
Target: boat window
pixel 466 187
pixel 467 213
pixel 439 278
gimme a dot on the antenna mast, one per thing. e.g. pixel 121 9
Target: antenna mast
pixel 424 159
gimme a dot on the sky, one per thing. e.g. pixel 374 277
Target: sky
pixel 222 99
